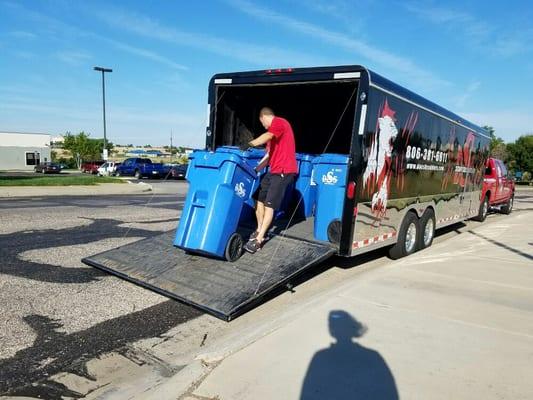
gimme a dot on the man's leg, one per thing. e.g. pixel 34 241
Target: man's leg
pixel 268 216
pixel 259 214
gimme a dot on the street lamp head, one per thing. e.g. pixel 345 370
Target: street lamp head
pixel 101 69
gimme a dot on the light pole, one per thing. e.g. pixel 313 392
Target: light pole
pixel 103 71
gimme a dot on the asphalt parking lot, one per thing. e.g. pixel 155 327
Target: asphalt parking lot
pixel 57 311
pixel 58 314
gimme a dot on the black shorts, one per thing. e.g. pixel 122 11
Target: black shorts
pixel 272 189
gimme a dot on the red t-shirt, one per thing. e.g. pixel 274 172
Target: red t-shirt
pixel 282 148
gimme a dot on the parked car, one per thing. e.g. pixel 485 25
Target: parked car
pixel 498 189
pixel 140 167
pixel 178 171
pixel 108 168
pixel 91 167
pixel 47 168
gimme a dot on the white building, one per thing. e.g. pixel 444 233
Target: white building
pixel 22 151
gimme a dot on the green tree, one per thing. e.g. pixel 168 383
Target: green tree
pixel 84 148
pixel 521 153
pixel 498 148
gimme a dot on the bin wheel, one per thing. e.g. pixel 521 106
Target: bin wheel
pixel 234 247
pixel 407 237
pixel 334 231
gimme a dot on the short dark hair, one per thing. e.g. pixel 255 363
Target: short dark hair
pixel 266 111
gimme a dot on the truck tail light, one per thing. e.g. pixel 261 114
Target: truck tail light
pixel 350 192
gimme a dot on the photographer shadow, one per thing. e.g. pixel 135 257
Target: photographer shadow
pixel 347 370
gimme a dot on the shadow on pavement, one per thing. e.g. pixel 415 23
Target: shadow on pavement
pixel 14 244
pixel 347 370
pixel 502 245
pixel 54 351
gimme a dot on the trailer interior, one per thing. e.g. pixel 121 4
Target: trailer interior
pixel 320 113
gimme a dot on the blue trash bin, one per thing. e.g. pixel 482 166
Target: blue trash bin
pixel 330 175
pixel 219 185
pixel 304 194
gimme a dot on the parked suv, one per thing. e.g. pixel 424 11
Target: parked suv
pixel 108 168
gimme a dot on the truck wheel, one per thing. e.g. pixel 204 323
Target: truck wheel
pixel 508 207
pixel 407 237
pixel 234 247
pixel 117 173
pixel 427 229
pixel 483 210
pixel 137 174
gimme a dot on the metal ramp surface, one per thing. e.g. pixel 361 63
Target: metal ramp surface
pixel 221 288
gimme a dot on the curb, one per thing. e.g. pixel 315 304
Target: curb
pixel 75 190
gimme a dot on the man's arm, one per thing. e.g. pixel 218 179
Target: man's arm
pixel 259 141
pixel 263 163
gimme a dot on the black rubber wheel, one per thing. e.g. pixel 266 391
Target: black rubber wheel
pixel 234 247
pixel 137 174
pixel 407 237
pixel 117 173
pixel 483 210
pixel 334 231
pixel 427 229
pixel 508 207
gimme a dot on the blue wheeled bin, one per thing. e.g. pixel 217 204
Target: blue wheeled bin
pixel 220 184
pixel 330 174
pixel 304 194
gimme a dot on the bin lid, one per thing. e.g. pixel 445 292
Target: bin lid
pixel 330 158
pixel 216 159
pixel 248 154
pixel 305 157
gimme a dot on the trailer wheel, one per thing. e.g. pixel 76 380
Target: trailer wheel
pixel 508 207
pixel 427 229
pixel 234 247
pixel 407 237
pixel 483 210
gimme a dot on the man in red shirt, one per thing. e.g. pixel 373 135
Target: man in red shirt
pixel 281 157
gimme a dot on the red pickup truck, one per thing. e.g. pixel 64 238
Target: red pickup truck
pixel 498 189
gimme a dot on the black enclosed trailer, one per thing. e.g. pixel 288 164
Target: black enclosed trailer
pixel 414 167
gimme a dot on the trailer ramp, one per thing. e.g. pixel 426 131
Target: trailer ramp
pixel 220 288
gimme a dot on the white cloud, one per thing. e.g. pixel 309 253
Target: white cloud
pixel 150 28
pixel 22 35
pixel 383 58
pixel 73 57
pixel 484 36
pixel 148 54
pixel 467 94
pixel 509 124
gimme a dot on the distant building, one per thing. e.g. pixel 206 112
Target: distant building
pixel 147 153
pixel 23 151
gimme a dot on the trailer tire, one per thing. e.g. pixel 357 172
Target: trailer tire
pixel 234 247
pixel 508 207
pixel 483 210
pixel 407 237
pixel 427 229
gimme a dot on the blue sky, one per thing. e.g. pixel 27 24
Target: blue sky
pixel 473 57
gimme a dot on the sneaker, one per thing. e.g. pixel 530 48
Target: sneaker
pixel 253 235
pixel 252 246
